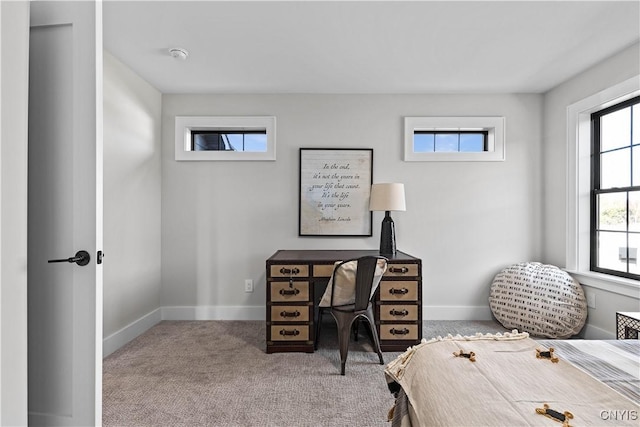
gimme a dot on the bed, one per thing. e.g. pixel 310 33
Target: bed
pixel 512 380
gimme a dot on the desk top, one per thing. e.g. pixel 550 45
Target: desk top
pixel 331 255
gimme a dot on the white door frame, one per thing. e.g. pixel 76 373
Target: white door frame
pixel 14 85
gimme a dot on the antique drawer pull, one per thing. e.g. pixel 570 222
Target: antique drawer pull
pixel 294 291
pixel 295 270
pixel 294 332
pixel 398 270
pixel 403 331
pixel 290 313
pixel 401 291
pixel 402 312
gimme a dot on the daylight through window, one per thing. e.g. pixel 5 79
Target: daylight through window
pixel 225 138
pixel 615 195
pixel 229 140
pixel 454 139
pixel 442 141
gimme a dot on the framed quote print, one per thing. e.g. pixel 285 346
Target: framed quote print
pixel 335 186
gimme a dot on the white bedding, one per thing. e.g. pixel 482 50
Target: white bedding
pixel 507 382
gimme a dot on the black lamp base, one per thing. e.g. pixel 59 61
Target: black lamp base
pixel 388 236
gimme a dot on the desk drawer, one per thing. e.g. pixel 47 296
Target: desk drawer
pixel 396 290
pixel 289 291
pixel 398 312
pixel 289 332
pixel 399 332
pixel 289 313
pixel 290 270
pixel 401 270
pixel 323 270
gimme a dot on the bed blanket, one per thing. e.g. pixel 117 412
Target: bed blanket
pixel 616 363
pixel 508 383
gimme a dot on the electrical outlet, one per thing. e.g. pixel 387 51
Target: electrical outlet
pixel 591 300
pixel 248 285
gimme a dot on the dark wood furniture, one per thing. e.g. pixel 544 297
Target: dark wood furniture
pixel 297 279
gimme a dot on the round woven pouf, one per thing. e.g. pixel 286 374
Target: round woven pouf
pixel 539 299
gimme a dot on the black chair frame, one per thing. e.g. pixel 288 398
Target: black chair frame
pixel 347 316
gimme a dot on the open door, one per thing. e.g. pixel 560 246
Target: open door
pixel 65 214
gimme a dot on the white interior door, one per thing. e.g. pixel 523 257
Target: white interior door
pixel 65 213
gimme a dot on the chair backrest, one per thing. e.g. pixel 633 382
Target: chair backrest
pixel 365 273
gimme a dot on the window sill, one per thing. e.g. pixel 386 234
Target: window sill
pixel 606 282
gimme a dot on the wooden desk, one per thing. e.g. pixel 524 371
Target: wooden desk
pixel 297 279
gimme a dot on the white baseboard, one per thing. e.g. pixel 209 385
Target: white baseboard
pixel 214 313
pixel 129 332
pixel 456 312
pixel 590 332
pixel 259 313
pixel 138 327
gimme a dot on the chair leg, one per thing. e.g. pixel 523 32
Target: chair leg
pixel 318 323
pixel 344 323
pixel 374 333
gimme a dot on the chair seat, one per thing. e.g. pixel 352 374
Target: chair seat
pixel 346 307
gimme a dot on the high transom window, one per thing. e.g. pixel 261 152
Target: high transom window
pixel 449 141
pixel 454 139
pixel 224 138
pixel 615 195
pixel 229 140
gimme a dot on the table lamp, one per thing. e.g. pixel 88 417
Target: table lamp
pixel 387 197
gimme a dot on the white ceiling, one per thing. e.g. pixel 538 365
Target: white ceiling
pixel 366 46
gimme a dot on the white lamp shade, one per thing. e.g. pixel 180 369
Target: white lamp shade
pixel 387 197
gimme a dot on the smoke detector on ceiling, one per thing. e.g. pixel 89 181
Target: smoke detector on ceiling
pixel 179 53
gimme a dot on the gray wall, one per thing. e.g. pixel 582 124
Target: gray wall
pixel 221 220
pixel 615 70
pixel 466 220
pixel 132 114
pixel 14 89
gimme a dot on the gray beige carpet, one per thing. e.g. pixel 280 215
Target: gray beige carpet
pixel 216 373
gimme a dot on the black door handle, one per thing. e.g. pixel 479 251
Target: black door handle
pixel 81 258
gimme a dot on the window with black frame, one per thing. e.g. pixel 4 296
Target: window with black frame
pixel 450 141
pixel 615 195
pixel 229 140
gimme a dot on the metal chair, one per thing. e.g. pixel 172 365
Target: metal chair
pixel 345 314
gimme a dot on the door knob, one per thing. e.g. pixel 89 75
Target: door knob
pixel 81 258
